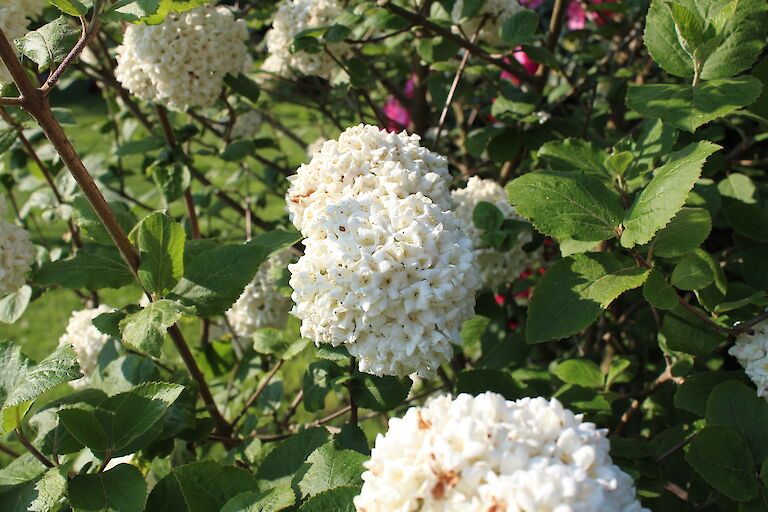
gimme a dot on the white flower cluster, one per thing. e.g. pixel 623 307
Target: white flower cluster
pixel 752 353
pixel 315 147
pixel 291 18
pixel 246 125
pixel 87 340
pixel 492 15
pixel 496 268
pixel 485 453
pixel 182 62
pixel 365 159
pixel 17 253
pixel 14 19
pixel 261 305
pixel 387 270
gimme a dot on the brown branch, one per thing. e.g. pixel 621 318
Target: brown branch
pixel 259 390
pixel 30 447
pixel 86 35
pixel 555 27
pixel 10 102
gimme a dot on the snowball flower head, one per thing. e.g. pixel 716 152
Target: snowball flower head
pixel 751 350
pixel 496 268
pixel 246 125
pixel 182 62
pixel 292 17
pixel 366 158
pixel 315 147
pixel 393 279
pixel 485 453
pixel 14 19
pixel 492 15
pixel 16 254
pixel 87 340
pixel 261 305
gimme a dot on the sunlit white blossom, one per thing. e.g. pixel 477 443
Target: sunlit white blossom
pixel 751 350
pixel 87 341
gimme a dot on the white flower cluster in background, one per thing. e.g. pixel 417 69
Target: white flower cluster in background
pixel 387 271
pixel 752 353
pixel 485 453
pixel 315 146
pixel 246 125
pixel 261 305
pixel 291 18
pixel 492 15
pixel 87 340
pixel 363 159
pixel 182 62
pixel 17 253
pixel 14 20
pixel 496 268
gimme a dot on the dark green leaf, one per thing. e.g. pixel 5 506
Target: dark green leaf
pixel 476 382
pixel 576 155
pixel 520 28
pixel 90 270
pixel 49 44
pixel 571 295
pixel 330 468
pixel 684 332
pixel 121 489
pixel 318 382
pixel 687 230
pixel 284 460
pixel 692 272
pixel 40 494
pixel 338 500
pixel 271 500
pixel 379 393
pixel 658 292
pixel 244 86
pixel 748 220
pixel 737 406
pixel 487 216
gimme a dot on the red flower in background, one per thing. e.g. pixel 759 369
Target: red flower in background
pixel 521 57
pixel 398 117
pixel 577 15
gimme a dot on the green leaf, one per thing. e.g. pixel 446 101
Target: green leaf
pixel 473 329
pixel 722 458
pixel 40 494
pixel 199 487
pixel 487 216
pixel 658 292
pixel 244 86
pixel 330 468
pixel 684 332
pixel 13 305
pixel 90 270
pixel 121 489
pixel 475 382
pixel 735 405
pixel 740 34
pixel 577 155
pixel 581 372
pixel 212 289
pixel 687 231
pixel 692 273
pixel 238 150
pixel 520 28
pixel 141 146
pixel 654 141
pixel 123 423
pixel 49 44
pixel 71 7
pixel 739 187
pixel 21 380
pixel 687 107
pixel 571 295
pixel 567 205
pixel 92 227
pixel 665 195
pixel 278 343
pixel 748 220
pixel 145 330
pixel 338 500
pixel 271 500
pixel 378 393
pixel 318 382
pixel 281 464
pixel 160 241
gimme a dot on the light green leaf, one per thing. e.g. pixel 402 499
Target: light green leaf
pixel 571 295
pixel 687 231
pixel 40 494
pixel 161 243
pixel 330 468
pixel 687 107
pixel 271 500
pixel 567 205
pixel 21 380
pixel 145 330
pixel 665 195
pixel 121 489
pixel 722 458
pixel 581 372
pixel 92 227
pixel 71 7
pixel 473 329
pixel 13 305
pixel 49 44
pixel 575 154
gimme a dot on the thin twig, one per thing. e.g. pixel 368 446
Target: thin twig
pixel 259 390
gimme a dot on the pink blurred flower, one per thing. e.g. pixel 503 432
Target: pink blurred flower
pixel 521 57
pixel 577 15
pixel 398 117
pixel 531 4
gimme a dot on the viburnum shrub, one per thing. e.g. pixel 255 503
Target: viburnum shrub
pixel 383 256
